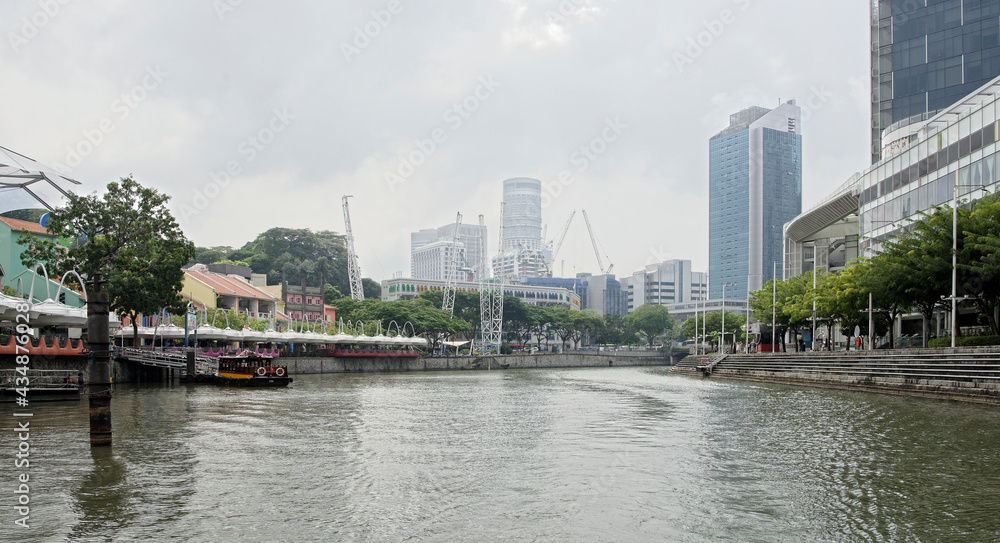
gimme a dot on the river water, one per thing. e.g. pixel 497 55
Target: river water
pixel 612 454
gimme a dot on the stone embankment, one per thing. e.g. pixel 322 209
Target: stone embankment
pixel 963 374
pixel 301 366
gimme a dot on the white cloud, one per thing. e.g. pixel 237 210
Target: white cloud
pixel 561 78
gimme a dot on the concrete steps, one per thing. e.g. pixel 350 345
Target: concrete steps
pixel 957 375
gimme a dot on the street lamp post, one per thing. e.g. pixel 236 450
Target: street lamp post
pixel 774 303
pixel 954 264
pixel 871 324
pixel 812 338
pixel 722 339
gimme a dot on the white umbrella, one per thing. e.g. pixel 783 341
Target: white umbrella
pixel 53 313
pixel 272 336
pixel 170 331
pixel 207 331
pixel 253 335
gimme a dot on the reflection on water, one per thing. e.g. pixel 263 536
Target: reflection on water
pixel 103 504
pixel 616 454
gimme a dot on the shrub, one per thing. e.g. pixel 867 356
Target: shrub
pixel 974 341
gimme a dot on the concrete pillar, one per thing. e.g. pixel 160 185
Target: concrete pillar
pixel 100 365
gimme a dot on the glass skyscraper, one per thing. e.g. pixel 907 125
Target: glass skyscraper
pixel 522 218
pixel 927 55
pixel 755 187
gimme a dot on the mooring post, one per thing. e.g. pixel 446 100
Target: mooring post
pixel 100 364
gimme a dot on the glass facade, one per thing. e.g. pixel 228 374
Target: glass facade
pixel 928 55
pixel 782 193
pixel 957 149
pixel 755 187
pixel 729 212
pixel 522 215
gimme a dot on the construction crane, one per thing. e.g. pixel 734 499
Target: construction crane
pixel 353 269
pixel 561 235
pixel 451 272
pixel 597 250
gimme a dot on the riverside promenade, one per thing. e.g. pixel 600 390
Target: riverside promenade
pixel 961 374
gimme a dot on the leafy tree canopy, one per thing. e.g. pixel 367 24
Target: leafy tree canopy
pixel 128 236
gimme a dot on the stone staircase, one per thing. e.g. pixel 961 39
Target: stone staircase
pixel 958 374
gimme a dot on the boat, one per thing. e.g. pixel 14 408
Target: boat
pixel 251 370
pixel 42 385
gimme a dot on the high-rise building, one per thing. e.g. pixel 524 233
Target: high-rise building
pixel 522 215
pixel 665 283
pixel 435 261
pixel 926 56
pixel 523 254
pixel 471 237
pixel 755 187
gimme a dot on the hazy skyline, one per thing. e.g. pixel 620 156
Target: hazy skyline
pixel 253 115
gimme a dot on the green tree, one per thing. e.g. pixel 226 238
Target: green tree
pixel 980 258
pixel 651 320
pixel 331 293
pixel 371 288
pixel 613 331
pixel 129 237
pixel 291 254
pixel 211 255
pixel 888 284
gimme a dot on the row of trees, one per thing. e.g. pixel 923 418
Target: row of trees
pixel 912 273
pixel 523 324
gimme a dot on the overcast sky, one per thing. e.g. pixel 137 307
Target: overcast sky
pixel 306 101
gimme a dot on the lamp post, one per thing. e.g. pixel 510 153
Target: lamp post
pixel 871 324
pixel 954 264
pixel 698 315
pixel 812 338
pixel 722 338
pixel 774 304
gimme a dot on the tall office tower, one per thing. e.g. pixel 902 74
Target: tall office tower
pixel 522 216
pixel 755 187
pixel 925 56
pixel 471 238
pixel 523 255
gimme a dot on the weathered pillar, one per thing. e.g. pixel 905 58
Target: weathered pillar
pixel 100 364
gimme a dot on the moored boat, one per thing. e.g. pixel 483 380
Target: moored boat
pixel 251 370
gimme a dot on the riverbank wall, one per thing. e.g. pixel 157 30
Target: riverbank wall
pixel 961 374
pixel 313 365
pixel 131 372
